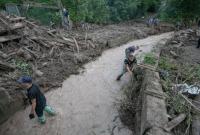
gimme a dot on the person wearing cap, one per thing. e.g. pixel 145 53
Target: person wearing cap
pixel 130 50
pixel 36 99
pixel 128 65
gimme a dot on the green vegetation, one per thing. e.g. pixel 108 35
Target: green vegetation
pixel 22 66
pixel 106 11
pixel 181 10
pixel 178 74
pixel 46 17
pixel 150 59
pixel 166 64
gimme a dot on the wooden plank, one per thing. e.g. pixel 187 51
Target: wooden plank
pixel 6 66
pixel 17 19
pixel 16 26
pixel 8 38
pixel 12 28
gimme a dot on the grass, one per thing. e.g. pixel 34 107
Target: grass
pixel 178 74
pixel 150 59
pixel 166 64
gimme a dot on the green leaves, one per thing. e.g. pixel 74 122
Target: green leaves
pixel 181 10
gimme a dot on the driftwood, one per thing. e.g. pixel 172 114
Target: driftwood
pixel 6 67
pixel 147 67
pixel 31 24
pixel 3 55
pixel 190 102
pixel 173 123
pixel 77 46
pixel 50 32
pixel 43 43
pixel 16 19
pixel 9 38
pixel 91 44
pixel 16 26
pixel 12 28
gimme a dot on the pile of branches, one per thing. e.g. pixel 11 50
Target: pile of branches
pixel 33 42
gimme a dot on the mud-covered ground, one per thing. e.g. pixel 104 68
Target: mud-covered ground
pixel 85 104
pixel 56 64
pixel 179 63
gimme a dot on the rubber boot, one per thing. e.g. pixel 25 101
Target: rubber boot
pixel 119 77
pixel 42 119
pixel 50 110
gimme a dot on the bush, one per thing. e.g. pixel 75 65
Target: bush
pixel 150 59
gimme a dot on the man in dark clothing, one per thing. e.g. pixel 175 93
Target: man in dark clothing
pixel 128 65
pixel 198 45
pixel 36 99
pixel 66 17
pixel 130 50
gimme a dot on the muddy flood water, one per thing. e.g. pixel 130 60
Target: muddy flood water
pixel 85 103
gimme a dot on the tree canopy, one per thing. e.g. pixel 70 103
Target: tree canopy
pixel 105 11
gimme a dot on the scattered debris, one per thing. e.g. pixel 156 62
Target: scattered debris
pixel 188 89
pixel 51 55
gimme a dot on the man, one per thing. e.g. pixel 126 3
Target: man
pixel 198 45
pixel 130 50
pixel 36 99
pixel 128 65
pixel 66 17
pixel 149 22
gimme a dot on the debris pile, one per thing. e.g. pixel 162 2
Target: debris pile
pixel 37 45
pixel 51 55
pixel 180 59
pixel 30 49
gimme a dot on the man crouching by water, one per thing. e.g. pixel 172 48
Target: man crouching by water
pixel 36 99
pixel 128 65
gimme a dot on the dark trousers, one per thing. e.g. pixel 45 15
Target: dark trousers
pixel 198 45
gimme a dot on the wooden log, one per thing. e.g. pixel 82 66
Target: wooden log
pixel 146 66
pixel 31 23
pixel 67 39
pixel 12 28
pixel 16 19
pixel 8 38
pixel 16 26
pixel 91 44
pixel 173 123
pixel 6 66
pixel 50 32
pixel 77 46
pixel 43 43
pixel 3 55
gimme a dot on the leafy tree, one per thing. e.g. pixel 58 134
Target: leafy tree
pixel 181 10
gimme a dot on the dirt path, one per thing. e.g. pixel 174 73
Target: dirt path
pixel 85 102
